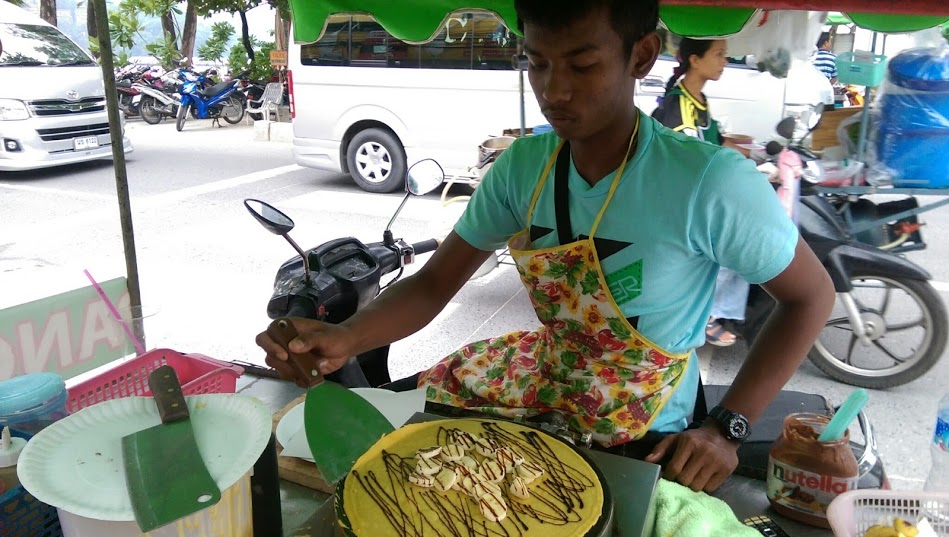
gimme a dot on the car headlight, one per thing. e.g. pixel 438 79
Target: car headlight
pixel 11 110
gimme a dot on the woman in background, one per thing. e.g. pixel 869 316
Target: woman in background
pixel 685 109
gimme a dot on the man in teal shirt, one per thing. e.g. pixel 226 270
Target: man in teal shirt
pixel 678 209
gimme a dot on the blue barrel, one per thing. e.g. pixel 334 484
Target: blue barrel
pixel 913 135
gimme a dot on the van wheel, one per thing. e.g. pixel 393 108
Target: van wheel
pixel 376 161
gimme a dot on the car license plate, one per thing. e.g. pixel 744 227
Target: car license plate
pixel 88 142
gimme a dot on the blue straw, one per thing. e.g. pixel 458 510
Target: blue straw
pixel 844 417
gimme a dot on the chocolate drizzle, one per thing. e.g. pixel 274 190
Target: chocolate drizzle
pixel 557 500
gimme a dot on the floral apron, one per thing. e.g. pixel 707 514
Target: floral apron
pixel 586 361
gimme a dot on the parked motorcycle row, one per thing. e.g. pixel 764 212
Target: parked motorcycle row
pixel 154 94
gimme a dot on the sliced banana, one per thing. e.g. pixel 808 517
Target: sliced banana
pixel 519 489
pixel 529 471
pixel 453 452
pixel 492 470
pixel 429 452
pixel 485 487
pixel 421 480
pixel 445 480
pixel 505 457
pixel 492 507
pixel 427 467
pixel 469 463
pixel 463 439
pixel 486 448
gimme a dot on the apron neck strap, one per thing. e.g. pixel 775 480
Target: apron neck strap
pixel 617 178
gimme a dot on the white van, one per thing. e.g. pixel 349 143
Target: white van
pixel 52 98
pixel 366 103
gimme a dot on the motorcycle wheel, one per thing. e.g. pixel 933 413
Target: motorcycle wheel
pixel 233 110
pixel 182 117
pixel 906 321
pixel 150 113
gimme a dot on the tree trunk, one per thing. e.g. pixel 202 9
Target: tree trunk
pixel 168 27
pixel 245 35
pixel 188 33
pixel 48 11
pixel 92 28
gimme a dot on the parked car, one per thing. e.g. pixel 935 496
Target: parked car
pixel 52 106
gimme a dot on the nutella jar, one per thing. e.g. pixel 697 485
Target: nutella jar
pixel 805 475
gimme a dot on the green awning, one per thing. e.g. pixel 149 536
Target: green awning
pixel 835 17
pixel 418 21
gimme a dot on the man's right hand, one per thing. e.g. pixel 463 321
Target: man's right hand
pixel 332 344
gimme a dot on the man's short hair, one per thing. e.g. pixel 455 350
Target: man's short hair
pixel 631 19
pixel 823 39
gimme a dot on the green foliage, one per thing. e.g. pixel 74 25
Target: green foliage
pixel 283 6
pixel 166 51
pixel 125 28
pixel 260 69
pixel 20 3
pixel 214 48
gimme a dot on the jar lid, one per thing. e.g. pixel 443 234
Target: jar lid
pixel 28 391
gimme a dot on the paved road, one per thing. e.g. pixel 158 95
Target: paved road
pixel 208 266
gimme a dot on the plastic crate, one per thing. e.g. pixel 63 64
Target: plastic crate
pixel 22 515
pixel 197 373
pixel 852 513
pixel 868 70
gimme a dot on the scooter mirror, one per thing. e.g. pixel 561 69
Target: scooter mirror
pixel 423 177
pixel 271 218
pixel 786 128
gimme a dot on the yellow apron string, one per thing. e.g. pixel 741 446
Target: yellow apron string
pixel 616 180
pixel 540 184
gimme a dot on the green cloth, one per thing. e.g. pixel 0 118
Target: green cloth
pixel 421 20
pixel 680 512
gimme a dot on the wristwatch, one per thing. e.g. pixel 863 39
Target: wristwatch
pixel 734 425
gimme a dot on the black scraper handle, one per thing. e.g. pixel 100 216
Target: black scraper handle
pixel 166 389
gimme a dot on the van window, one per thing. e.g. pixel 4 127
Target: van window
pixel 33 44
pixel 467 40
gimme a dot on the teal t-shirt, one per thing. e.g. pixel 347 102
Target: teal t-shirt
pixel 683 208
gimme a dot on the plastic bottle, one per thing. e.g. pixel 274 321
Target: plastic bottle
pixel 938 479
pixel 10 448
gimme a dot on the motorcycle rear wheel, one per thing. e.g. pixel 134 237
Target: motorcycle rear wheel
pixel 921 333
pixel 182 116
pixel 150 113
pixel 233 110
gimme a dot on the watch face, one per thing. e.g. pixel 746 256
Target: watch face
pixel 738 427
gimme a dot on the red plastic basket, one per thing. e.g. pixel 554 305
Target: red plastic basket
pixel 197 373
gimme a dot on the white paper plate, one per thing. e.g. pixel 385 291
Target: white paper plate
pixel 76 463
pixel 290 424
pixel 397 407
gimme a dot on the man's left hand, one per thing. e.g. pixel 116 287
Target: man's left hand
pixel 702 459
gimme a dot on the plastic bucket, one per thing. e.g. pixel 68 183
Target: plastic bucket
pixel 32 402
pixel 231 517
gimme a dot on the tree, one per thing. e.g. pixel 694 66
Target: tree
pixel 216 46
pixel 20 3
pixel 259 67
pixel 48 11
pixel 92 27
pixel 241 7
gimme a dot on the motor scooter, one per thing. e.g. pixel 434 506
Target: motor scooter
pixel 221 101
pixel 889 325
pixel 333 280
pixel 160 99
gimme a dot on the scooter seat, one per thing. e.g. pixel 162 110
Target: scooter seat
pixel 217 89
pixel 123 84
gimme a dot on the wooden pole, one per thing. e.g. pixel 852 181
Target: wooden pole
pixel 118 155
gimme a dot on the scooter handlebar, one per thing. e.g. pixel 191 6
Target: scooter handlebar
pixel 425 247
